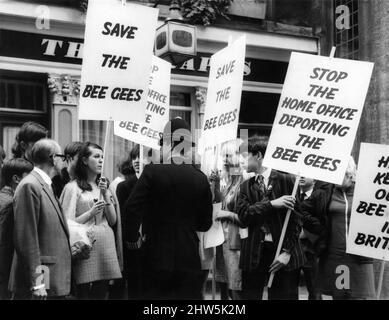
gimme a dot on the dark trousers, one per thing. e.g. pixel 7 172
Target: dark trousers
pixel 97 290
pixel 133 273
pixel 172 285
pixel 310 271
pixel 285 283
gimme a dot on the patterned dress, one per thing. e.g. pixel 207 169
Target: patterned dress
pixel 103 261
pixel 228 254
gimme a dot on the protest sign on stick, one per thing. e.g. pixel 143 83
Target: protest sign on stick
pixel 317 119
pixel 115 73
pixel 318 116
pixel 283 231
pixel 149 131
pixel 224 93
pixel 222 109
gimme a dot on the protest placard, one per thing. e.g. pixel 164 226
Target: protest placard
pixel 368 234
pixel 117 57
pixel 223 95
pixel 149 131
pixel 318 116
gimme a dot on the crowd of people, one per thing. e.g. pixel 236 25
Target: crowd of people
pixel 146 228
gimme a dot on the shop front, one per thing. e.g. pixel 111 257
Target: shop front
pixel 40 74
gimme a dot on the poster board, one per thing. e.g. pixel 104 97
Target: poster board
pixel 368 234
pixel 318 116
pixel 224 93
pixel 149 131
pixel 117 57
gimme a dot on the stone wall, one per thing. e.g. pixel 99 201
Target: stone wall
pixel 374 47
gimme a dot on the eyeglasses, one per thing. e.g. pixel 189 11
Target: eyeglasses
pixel 62 156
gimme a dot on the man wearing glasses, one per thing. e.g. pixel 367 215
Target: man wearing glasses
pixel 42 261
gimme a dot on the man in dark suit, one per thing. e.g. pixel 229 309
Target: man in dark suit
pixel 172 201
pixel 42 261
pixel 308 240
pixel 262 204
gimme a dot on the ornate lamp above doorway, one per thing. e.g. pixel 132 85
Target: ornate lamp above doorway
pixel 175 41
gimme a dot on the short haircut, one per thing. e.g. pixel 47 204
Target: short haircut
pixel 43 150
pixel 72 149
pixel 255 145
pixel 16 166
pixel 125 167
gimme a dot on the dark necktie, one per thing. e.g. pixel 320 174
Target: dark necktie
pixel 303 196
pixel 261 186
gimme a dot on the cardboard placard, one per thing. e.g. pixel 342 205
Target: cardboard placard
pixel 223 95
pixel 117 57
pixel 369 222
pixel 318 116
pixel 149 131
pixel 215 235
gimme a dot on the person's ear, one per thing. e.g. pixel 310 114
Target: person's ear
pixel 85 161
pixel 51 161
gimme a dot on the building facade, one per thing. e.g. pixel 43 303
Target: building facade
pixel 41 50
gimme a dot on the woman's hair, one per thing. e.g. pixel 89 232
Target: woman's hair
pixel 11 167
pixel 231 148
pixel 125 167
pixel 81 169
pixel 231 191
pixel 2 154
pixel 29 132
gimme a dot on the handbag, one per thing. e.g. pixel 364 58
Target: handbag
pixel 81 239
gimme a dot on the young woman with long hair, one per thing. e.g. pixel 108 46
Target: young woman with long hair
pixel 88 201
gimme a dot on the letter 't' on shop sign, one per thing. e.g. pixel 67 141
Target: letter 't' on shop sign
pixel 117 58
pixel 317 117
pixel 223 96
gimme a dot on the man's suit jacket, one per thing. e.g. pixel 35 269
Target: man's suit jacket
pixel 6 239
pixel 41 237
pixel 317 220
pixel 171 202
pixel 255 212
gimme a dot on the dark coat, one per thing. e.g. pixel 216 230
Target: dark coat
pixel 171 202
pixel 255 213
pixel 316 219
pixel 123 192
pixel 41 237
pixel 6 238
pixel 60 181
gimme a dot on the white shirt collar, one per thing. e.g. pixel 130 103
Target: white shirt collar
pixel 265 175
pixel 44 175
pixel 307 193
